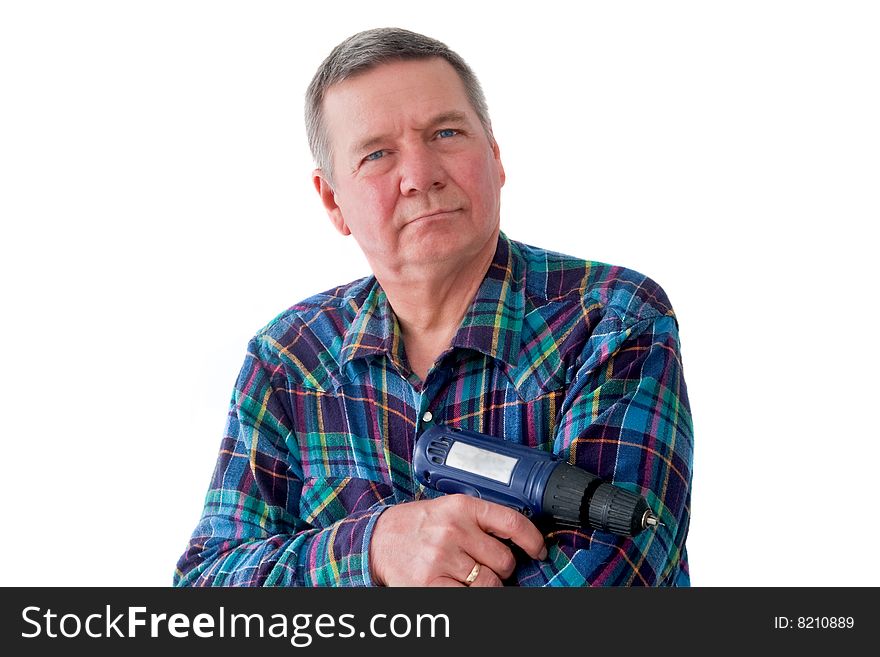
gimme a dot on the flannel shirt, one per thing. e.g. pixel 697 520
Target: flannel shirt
pixel 578 357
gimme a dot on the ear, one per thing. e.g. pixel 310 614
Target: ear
pixel 496 152
pixel 328 199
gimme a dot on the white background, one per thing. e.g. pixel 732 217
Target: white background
pixel 157 210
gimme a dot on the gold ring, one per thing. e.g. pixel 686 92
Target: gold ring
pixel 475 572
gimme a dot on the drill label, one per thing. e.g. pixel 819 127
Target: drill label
pixel 481 462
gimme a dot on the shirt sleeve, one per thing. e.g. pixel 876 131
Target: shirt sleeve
pixel 626 418
pixel 251 532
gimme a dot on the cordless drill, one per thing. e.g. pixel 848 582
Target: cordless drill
pixel 539 484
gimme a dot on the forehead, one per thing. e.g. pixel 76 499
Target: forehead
pixel 393 95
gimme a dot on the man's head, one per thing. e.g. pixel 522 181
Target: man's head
pixel 411 168
pixel 366 50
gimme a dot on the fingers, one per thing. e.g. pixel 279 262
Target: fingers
pixel 438 542
pixel 504 522
pixel 490 552
pixel 494 559
pixel 482 542
pixel 486 577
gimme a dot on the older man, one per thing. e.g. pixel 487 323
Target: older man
pixel 458 324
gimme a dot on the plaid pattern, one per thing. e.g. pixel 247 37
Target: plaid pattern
pixel 562 354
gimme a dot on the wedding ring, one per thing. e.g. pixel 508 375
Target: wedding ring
pixel 475 572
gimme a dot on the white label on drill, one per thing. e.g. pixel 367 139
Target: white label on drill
pixel 481 462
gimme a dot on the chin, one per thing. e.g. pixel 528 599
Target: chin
pixel 437 239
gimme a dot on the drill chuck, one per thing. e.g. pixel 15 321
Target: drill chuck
pixel 576 498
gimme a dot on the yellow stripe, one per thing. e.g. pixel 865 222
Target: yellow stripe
pixel 296 361
pixel 384 407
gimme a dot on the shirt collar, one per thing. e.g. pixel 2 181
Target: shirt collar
pixel 491 325
pixel 374 329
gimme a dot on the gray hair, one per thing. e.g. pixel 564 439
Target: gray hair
pixel 364 51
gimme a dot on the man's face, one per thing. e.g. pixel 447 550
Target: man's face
pixel 415 178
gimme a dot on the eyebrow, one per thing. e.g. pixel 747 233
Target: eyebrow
pixel 454 117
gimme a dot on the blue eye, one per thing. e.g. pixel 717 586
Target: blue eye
pixel 374 156
pixel 448 132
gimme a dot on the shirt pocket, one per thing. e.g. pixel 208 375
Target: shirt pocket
pixel 326 500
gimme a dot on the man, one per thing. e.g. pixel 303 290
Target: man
pixel 458 324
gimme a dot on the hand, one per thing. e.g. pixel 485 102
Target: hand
pixel 437 542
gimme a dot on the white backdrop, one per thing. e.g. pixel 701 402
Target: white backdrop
pixel 157 210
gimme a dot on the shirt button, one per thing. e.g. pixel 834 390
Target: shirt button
pixel 427 417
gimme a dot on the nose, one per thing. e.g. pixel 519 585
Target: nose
pixel 421 170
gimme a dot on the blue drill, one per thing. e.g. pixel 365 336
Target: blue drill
pixel 536 483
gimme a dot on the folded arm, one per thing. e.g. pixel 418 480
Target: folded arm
pixel 626 418
pixel 250 532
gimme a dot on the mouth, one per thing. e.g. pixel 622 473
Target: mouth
pixel 436 214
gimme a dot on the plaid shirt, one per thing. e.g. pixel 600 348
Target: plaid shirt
pixel 577 357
